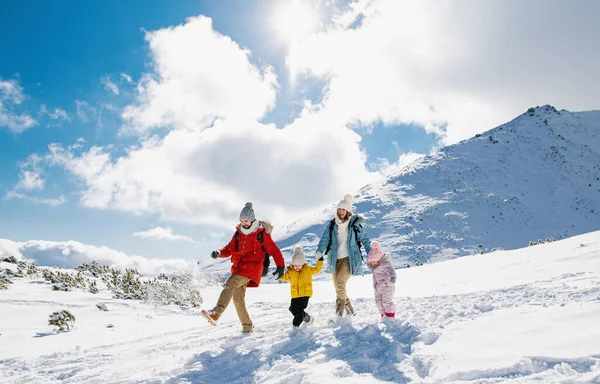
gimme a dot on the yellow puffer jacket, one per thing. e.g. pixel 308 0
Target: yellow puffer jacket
pixel 301 282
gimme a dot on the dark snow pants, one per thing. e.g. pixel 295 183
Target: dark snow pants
pixel 297 308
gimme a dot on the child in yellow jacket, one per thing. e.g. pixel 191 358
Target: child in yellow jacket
pixel 300 276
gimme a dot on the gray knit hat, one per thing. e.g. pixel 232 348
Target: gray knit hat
pixel 298 257
pixel 247 212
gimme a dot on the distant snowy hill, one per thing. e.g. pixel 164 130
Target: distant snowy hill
pixel 535 177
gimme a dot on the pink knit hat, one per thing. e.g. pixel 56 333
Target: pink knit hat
pixel 376 253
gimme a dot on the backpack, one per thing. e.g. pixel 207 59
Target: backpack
pixel 353 225
pixel 260 238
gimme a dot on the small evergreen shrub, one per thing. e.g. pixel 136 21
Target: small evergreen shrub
pixel 127 286
pixel 62 320
pixel 66 281
pixel 9 259
pixel 4 281
pixel 94 269
pixel 64 287
pixel 93 287
pixel 176 289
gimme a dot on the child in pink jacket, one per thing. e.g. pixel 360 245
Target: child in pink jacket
pixel 384 278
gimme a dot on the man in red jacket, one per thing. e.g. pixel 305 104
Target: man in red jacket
pixel 247 257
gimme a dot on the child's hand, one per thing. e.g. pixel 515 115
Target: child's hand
pixel 393 280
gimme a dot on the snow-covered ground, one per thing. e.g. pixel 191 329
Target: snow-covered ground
pixel 523 316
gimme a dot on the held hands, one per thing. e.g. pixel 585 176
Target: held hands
pixel 215 254
pixel 319 256
pixel 279 272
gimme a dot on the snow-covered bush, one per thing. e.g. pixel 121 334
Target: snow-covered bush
pixel 126 285
pixel 8 273
pixel 65 280
pixel 94 268
pixel 64 287
pixel 9 259
pixel 4 281
pixel 93 287
pixel 178 289
pixel 63 320
pixel 29 268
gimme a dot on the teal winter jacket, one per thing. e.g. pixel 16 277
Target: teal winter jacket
pixel 355 228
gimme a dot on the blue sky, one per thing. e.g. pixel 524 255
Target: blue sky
pixel 172 115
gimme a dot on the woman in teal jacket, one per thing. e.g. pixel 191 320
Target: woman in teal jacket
pixel 341 241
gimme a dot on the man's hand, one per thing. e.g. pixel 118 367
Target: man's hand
pixel 279 272
pixel 215 254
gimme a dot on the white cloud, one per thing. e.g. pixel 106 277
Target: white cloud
pixel 161 233
pixel 30 180
pixel 386 168
pixel 454 68
pixel 58 116
pixel 109 85
pixel 404 63
pixel 11 94
pixel 71 254
pixel 36 200
pixel 127 78
pixel 200 75
pixel 84 111
pixel 207 176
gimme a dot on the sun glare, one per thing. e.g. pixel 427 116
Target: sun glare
pixel 294 19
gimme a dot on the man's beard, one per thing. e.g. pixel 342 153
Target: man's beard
pixel 246 227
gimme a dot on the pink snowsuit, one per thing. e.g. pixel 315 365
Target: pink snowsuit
pixel 382 285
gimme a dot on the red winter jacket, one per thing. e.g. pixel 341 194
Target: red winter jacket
pixel 248 260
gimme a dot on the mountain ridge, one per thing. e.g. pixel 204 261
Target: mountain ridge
pixel 536 176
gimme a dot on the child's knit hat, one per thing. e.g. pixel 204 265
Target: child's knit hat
pixel 298 257
pixel 376 253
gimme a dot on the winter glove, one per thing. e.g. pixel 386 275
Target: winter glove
pixel 215 254
pixel 393 280
pixel 279 272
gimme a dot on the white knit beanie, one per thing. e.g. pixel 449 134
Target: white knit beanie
pixel 346 203
pixel 298 258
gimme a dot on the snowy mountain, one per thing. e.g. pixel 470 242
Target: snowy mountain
pixel 522 316
pixel 535 177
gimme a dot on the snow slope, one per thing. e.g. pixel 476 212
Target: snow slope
pixel 523 316
pixel 535 177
